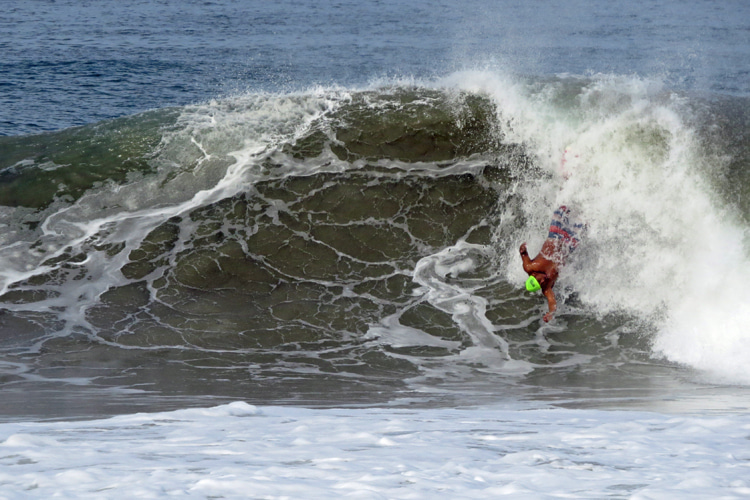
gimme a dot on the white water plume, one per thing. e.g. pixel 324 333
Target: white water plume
pixel 660 243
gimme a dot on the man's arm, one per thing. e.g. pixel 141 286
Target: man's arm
pixel 528 264
pixel 550 295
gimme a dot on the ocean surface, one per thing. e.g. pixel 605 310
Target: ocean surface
pixel 309 215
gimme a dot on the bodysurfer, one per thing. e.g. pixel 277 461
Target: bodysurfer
pixel 543 270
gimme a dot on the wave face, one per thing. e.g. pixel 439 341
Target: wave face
pixel 343 245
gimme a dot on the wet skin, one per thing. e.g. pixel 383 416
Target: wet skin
pixel 545 268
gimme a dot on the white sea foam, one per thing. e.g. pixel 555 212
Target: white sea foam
pixel 660 244
pixel 242 451
pixel 487 350
pixel 466 309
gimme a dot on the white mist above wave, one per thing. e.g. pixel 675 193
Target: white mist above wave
pixel 240 451
pixel 660 244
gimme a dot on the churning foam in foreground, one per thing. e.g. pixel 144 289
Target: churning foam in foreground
pixel 659 243
pixel 237 450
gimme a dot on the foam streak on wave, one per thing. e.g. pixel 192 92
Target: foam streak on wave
pixel 440 285
pixel 467 310
pixel 253 127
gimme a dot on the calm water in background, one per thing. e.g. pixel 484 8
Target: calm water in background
pixel 67 63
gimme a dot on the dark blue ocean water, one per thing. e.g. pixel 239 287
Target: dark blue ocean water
pixel 72 62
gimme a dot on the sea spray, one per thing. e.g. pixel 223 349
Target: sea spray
pixel 660 243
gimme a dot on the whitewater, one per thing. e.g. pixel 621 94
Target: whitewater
pixel 242 451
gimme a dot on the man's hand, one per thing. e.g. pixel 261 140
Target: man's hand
pixel 547 317
pixel 523 250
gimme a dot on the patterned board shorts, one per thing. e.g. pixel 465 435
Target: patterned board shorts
pixel 562 228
